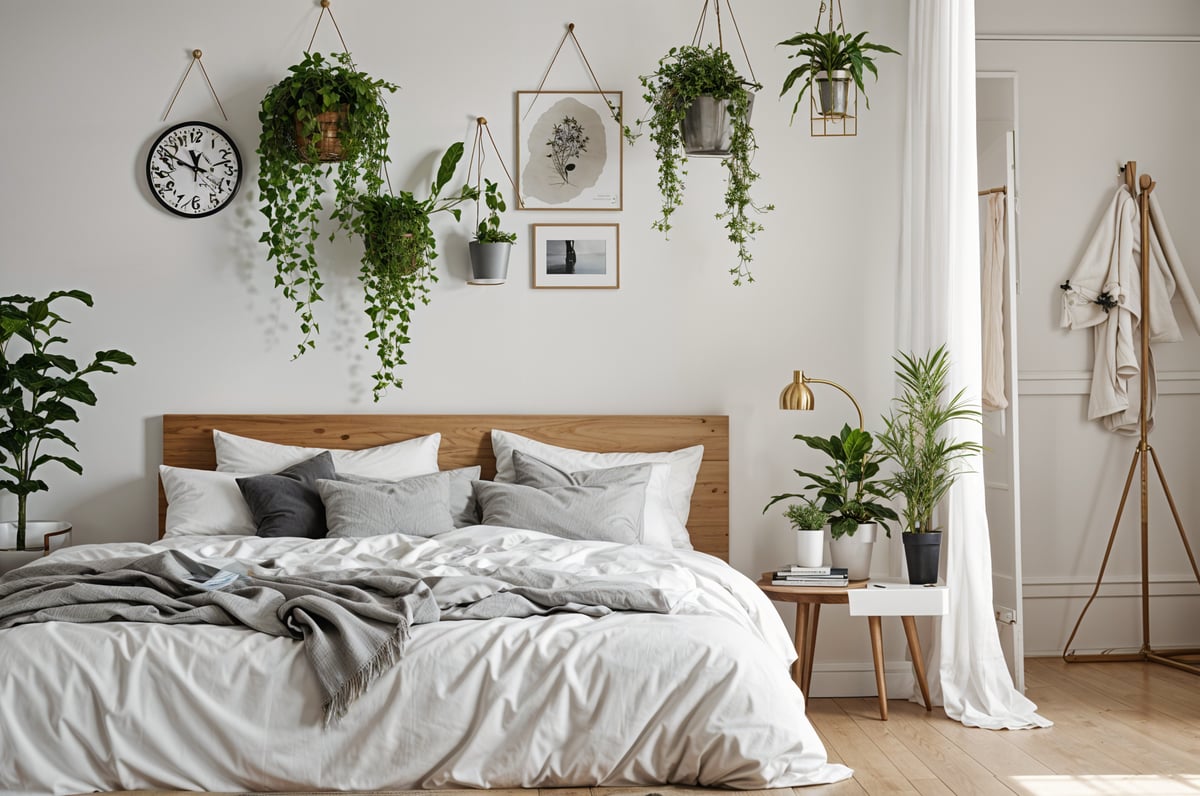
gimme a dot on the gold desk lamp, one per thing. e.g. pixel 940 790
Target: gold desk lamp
pixel 797 395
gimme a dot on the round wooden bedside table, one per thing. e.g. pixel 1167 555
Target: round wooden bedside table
pixel 875 602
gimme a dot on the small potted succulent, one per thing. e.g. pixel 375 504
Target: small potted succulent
pixel 397 271
pixel 37 390
pixel 831 60
pixel 851 491
pixel 491 247
pixel 324 121
pixel 693 90
pixel 808 521
pixel 926 458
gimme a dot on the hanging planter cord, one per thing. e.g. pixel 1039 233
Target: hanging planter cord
pixel 698 35
pixel 475 164
pixel 325 7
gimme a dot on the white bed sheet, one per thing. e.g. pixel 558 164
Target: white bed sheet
pixel 700 696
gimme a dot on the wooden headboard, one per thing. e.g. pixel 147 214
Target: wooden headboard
pixel 466 441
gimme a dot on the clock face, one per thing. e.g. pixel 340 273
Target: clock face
pixel 194 169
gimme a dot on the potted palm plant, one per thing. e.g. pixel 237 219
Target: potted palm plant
pixel 397 271
pixel 37 390
pixel 698 90
pixel 831 59
pixel 927 459
pixel 851 491
pixel 808 521
pixel 491 247
pixel 324 121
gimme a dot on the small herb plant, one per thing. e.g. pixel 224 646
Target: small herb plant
pixel 928 461
pixel 849 489
pixel 292 177
pixel 806 516
pixel 397 264
pixel 37 388
pixel 683 75
pixel 489 230
pixel 829 52
pixel 567 142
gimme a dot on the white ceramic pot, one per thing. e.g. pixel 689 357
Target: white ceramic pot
pixel 810 548
pixel 41 538
pixel 854 551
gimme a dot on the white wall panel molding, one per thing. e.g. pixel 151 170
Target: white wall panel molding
pixel 1079 382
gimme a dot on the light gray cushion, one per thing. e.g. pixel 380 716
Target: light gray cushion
pixel 286 503
pixel 529 470
pixel 609 513
pixel 464 510
pixel 417 506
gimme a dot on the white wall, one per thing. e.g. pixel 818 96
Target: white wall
pixel 193 301
pixel 1084 106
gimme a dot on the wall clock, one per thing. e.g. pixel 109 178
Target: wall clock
pixel 194 169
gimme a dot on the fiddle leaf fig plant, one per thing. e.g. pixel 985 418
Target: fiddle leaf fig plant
pixel 37 390
pixel 397 271
pixel 829 52
pixel 683 75
pixel 295 167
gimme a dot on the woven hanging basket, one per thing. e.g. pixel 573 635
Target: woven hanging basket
pixel 329 144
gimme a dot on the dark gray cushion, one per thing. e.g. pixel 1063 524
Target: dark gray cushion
pixel 286 503
pixel 609 513
pixel 417 506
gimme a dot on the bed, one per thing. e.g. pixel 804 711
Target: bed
pixel 697 695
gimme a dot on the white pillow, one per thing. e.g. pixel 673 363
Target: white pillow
pixel 204 503
pixel 386 462
pixel 668 502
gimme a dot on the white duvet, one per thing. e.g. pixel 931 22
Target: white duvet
pixel 700 696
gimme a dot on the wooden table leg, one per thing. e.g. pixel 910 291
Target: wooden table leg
pixel 877 654
pixel 914 649
pixel 801 639
pixel 812 647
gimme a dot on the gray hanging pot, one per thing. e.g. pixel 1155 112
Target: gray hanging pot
pixel 707 129
pixel 489 262
pixel 833 92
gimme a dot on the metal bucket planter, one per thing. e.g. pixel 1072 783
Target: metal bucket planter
pixel 854 551
pixel 833 92
pixel 707 129
pixel 41 538
pixel 329 144
pixel 921 553
pixel 489 262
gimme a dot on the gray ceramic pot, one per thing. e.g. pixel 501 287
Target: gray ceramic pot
pixel 489 262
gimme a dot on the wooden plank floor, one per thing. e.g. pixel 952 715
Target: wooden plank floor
pixel 1120 728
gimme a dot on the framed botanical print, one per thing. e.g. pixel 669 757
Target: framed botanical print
pixel 576 255
pixel 570 152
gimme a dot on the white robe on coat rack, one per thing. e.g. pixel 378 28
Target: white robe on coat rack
pixel 1105 294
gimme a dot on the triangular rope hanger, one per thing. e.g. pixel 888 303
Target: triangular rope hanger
pixel 616 114
pixel 196 55
pixel 475 164
pixel 326 7
pixel 698 35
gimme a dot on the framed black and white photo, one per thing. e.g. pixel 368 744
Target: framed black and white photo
pixel 576 255
pixel 569 150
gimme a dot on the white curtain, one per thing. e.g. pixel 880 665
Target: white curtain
pixel 939 301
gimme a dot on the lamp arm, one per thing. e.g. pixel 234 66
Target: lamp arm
pixel 857 408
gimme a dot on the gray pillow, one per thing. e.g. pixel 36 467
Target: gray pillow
pixel 417 506
pixel 608 513
pixel 532 471
pixel 286 503
pixel 464 510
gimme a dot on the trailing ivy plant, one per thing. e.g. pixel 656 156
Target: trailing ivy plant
pixel 292 176
pixel 488 230
pixel 683 75
pixel 397 264
pixel 37 390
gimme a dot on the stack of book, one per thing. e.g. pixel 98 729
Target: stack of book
pixel 810 576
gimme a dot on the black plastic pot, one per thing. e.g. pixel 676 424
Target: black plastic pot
pixel 922 551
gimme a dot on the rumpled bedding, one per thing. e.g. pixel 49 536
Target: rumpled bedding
pixel 698 696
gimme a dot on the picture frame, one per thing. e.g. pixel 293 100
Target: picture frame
pixel 570 151
pixel 576 256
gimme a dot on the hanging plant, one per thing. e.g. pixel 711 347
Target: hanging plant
pixel 826 54
pixel 325 121
pixel 397 264
pixel 684 75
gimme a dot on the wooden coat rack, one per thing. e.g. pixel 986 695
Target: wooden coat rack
pixel 1185 659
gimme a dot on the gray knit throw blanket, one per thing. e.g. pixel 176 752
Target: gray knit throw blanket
pixel 353 623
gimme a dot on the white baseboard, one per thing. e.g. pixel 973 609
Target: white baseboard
pixel 857 679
